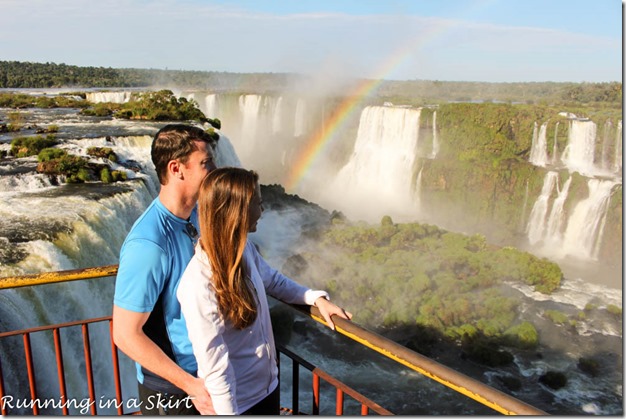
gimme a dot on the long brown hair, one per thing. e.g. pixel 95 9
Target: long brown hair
pixel 223 203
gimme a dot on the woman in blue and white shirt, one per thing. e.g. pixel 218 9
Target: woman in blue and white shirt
pixel 223 298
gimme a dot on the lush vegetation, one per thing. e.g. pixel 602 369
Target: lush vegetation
pixel 420 275
pixel 64 167
pixel 161 105
pixel 15 74
pixel 482 174
pixel 30 146
pixel 23 101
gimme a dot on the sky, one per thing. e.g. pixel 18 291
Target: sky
pixel 446 40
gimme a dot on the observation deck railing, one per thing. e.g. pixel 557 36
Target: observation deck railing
pixel 460 383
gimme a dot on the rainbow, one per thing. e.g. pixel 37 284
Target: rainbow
pixel 317 143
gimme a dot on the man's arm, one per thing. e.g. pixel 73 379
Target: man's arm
pixel 129 337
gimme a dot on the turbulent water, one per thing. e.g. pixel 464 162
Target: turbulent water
pixel 46 227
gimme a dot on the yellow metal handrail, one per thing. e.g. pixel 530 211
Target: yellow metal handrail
pixel 460 383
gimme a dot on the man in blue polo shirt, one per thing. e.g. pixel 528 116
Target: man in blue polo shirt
pixel 148 325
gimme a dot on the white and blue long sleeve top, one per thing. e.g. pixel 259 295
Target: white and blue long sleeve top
pixel 239 367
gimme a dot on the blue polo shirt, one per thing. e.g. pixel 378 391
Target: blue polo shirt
pixel 152 259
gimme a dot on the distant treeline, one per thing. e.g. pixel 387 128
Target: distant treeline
pixel 16 74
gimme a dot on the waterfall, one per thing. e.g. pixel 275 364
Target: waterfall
pixel 537 221
pixel 300 121
pixel 538 151
pixel 377 179
pixel 277 116
pixel 522 223
pixel 617 165
pixel 69 227
pixel 249 106
pixel 606 145
pixel 418 189
pixel 580 150
pixel 210 106
pixel 435 150
pixel 555 147
pixel 112 97
pixel 585 226
pixel 580 235
pixel 554 229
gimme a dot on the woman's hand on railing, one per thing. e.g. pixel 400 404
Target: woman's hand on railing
pixel 328 309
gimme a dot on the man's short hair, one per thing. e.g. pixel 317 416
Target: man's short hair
pixel 176 142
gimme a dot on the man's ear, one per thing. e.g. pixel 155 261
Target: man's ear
pixel 174 168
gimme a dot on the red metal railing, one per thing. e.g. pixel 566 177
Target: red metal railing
pixel 63 401
pixel 464 385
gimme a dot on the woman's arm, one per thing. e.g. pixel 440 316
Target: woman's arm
pixel 287 290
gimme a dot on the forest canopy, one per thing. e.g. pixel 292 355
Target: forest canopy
pixel 16 74
pixel 421 275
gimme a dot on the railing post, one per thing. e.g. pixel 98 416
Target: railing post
pixel 295 387
pixel 88 369
pixel 339 403
pixel 116 372
pixel 316 394
pixel 31 372
pixel 3 411
pixel 60 369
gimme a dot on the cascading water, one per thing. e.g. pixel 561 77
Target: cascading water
pixel 377 179
pixel 211 106
pixel 435 151
pixel 538 151
pixel 249 106
pixel 112 97
pixel 300 120
pixel 536 221
pixel 52 228
pixel 65 227
pixel 580 234
pixel 277 117
pixel 617 165
pixel 554 228
pixel 555 147
pixel 586 224
pixel 580 150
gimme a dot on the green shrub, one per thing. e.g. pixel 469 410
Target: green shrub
pixel 160 106
pixel 118 175
pixel 101 109
pixel 523 335
pixel 556 316
pixel 216 123
pixel 50 153
pixel 102 152
pixel 105 175
pixel 30 146
pixel 615 310
pixel 74 168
